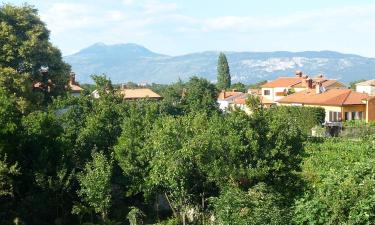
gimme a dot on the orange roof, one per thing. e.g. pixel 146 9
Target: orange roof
pixel 297 82
pixel 333 97
pixel 226 94
pixel 139 93
pixel 256 91
pixel 283 82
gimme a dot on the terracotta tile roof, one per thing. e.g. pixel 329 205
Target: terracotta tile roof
pixel 256 91
pixel 139 93
pixel 297 82
pixel 367 83
pixel 283 82
pixel 228 95
pixel 333 97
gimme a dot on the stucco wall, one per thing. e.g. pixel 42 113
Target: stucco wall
pixel 370 110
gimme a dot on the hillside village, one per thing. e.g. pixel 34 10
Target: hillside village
pixel 340 103
pixel 296 149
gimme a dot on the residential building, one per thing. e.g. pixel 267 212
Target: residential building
pixel 339 104
pixel 226 98
pixel 139 93
pixel 366 87
pixel 283 86
pixel 133 94
pixel 73 86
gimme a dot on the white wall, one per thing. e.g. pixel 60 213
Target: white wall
pixel 223 105
pixel 366 89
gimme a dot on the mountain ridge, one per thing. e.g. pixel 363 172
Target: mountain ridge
pixel 133 62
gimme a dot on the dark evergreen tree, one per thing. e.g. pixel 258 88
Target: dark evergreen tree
pixel 223 73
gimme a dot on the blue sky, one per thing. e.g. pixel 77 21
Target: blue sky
pixel 185 26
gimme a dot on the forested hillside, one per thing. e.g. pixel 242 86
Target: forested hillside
pixel 79 160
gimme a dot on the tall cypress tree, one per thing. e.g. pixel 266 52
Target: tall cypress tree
pixel 223 73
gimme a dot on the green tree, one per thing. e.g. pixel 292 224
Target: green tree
pixel 341 184
pixel 257 206
pixel 6 173
pixel 95 183
pixel 200 95
pixel 223 73
pixel 25 49
pixel 238 87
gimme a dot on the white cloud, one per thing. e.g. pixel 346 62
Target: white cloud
pixel 128 2
pixel 79 24
pixel 157 7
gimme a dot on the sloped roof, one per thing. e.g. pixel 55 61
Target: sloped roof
pixel 367 83
pixel 139 93
pixel 283 82
pixel 297 82
pixel 75 88
pixel 228 95
pixel 333 97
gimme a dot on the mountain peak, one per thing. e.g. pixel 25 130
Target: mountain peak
pixel 118 50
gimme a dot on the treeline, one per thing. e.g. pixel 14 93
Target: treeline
pixel 78 160
pixel 84 160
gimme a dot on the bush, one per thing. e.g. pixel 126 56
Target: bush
pixel 305 118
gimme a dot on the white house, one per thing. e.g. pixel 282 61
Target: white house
pixel 367 87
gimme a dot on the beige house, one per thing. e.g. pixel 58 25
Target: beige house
pixel 339 104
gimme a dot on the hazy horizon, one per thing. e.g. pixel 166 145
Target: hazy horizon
pixel 180 27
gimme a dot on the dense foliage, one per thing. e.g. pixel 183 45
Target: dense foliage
pixel 79 160
pixel 341 182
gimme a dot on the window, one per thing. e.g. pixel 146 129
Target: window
pixel 348 116
pixel 334 116
pixel 360 115
pixel 266 92
pixel 354 115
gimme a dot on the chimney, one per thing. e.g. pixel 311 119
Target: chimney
pixel 318 87
pixel 224 93
pixel 305 81
pixel 72 78
pixel 309 83
pixel 299 73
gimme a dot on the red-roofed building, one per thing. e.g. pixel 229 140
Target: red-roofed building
pixel 339 104
pixel 283 86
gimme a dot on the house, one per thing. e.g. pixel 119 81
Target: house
pixel 283 86
pixel 366 87
pixel 73 86
pixel 133 94
pixel 240 102
pixel 226 98
pixel 339 104
pixel 139 93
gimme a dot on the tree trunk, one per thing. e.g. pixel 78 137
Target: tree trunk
pixel 170 205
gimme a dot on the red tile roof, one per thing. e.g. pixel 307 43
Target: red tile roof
pixel 297 82
pixel 226 94
pixel 283 82
pixel 333 97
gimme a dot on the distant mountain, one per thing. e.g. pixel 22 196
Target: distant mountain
pixel 132 62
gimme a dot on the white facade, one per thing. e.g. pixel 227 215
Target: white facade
pixel 274 94
pixel 223 105
pixel 366 89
